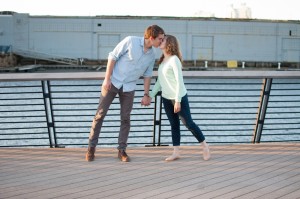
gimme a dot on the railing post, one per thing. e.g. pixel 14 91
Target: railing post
pixel 156 122
pixel 262 109
pixel 45 97
pixel 49 113
pixel 159 120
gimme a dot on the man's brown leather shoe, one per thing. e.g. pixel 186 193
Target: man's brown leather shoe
pixel 90 154
pixel 123 156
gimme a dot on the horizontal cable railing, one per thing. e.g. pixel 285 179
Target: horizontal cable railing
pixel 224 109
pixel 23 118
pixel 56 109
pixel 73 105
pixel 282 120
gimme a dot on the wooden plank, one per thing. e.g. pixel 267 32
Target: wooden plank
pixel 235 171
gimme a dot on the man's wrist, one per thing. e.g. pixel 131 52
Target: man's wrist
pixel 146 94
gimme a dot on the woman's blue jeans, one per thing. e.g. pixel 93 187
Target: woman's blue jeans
pixel 186 118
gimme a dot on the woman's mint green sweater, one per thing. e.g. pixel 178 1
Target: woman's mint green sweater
pixel 170 80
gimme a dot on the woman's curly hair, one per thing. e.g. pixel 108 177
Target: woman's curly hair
pixel 172 48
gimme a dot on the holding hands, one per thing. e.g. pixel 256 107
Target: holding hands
pixel 146 100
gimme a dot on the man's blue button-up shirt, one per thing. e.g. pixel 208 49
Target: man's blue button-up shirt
pixel 131 62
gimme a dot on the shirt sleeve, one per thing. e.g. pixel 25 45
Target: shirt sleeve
pixel 120 49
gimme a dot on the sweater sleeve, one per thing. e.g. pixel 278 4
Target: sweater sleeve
pixel 177 69
pixel 156 88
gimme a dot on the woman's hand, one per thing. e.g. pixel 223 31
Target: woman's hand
pixel 177 107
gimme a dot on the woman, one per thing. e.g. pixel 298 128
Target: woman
pixel 174 95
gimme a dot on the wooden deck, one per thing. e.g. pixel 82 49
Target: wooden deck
pixel 235 171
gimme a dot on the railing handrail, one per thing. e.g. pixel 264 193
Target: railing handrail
pixel 190 74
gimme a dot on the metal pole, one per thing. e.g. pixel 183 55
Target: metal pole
pixel 160 113
pixel 49 124
pixel 262 109
pixel 154 122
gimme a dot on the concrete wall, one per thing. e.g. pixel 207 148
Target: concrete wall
pixel 200 38
pixel 6 30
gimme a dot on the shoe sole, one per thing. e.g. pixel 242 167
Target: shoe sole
pixel 172 159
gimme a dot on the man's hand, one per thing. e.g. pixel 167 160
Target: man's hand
pixel 146 100
pixel 106 84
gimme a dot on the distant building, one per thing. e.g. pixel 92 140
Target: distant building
pixel 202 13
pixel 243 12
pixel 233 13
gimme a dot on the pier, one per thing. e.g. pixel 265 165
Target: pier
pixel 268 171
pixel 249 118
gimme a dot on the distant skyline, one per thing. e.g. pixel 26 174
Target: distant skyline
pixel 260 9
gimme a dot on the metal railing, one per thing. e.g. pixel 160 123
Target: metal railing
pixel 56 109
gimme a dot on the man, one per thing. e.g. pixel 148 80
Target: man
pixel 132 58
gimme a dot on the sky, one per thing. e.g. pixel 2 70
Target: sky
pixel 260 9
